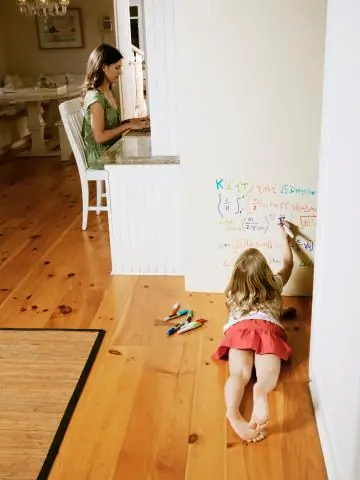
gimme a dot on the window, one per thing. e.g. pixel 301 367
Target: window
pixel 134 12
pixel 134 26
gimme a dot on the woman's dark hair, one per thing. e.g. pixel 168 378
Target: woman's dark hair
pixel 102 55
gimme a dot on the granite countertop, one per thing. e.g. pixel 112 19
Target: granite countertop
pixel 135 149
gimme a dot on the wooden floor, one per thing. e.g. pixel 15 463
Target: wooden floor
pixel 156 410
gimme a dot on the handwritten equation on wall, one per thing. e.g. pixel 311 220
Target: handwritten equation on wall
pixel 249 214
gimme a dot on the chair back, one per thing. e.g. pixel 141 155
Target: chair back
pixel 72 116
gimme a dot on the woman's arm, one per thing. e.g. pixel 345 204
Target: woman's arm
pixel 285 272
pixel 98 125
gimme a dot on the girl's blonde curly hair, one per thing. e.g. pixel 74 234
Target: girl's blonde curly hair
pixel 253 286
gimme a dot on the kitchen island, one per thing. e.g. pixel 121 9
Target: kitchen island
pixel 144 209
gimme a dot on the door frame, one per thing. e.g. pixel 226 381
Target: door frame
pixel 123 43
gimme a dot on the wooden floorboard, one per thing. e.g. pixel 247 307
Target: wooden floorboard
pixel 155 410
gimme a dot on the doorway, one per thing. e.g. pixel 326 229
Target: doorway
pixel 130 39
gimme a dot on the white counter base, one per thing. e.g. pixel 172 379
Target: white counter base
pixel 144 219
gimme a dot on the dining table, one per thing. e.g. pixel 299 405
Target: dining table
pixel 33 98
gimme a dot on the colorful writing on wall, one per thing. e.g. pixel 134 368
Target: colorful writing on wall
pixel 249 214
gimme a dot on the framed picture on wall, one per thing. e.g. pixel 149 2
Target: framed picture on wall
pixel 60 32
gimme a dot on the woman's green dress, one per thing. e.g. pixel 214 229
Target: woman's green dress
pixel 94 150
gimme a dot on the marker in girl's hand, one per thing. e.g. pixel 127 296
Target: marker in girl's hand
pixel 286 228
pixel 288 231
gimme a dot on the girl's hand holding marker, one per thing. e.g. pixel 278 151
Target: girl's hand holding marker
pixel 286 229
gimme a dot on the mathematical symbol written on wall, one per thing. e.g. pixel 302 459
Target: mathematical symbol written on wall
pixel 240 209
pixel 226 204
pixel 281 219
pixel 219 184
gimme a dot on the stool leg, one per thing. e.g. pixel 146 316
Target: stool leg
pixel 85 203
pixel 98 195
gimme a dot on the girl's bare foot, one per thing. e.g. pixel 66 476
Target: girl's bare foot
pixel 243 429
pixel 260 414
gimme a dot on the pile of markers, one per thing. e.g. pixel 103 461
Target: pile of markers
pixel 186 324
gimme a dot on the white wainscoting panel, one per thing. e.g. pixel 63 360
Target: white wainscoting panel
pixel 144 219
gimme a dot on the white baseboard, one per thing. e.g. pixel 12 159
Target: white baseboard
pixel 332 472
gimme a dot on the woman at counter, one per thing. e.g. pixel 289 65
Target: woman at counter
pixel 102 125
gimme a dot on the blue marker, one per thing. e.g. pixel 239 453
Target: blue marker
pixel 174 329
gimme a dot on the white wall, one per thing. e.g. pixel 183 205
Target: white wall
pixel 249 78
pixel 23 54
pixel 334 359
pixel 161 73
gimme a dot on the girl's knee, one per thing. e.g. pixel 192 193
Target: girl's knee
pixel 268 376
pixel 243 373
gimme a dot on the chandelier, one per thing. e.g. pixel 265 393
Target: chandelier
pixel 45 8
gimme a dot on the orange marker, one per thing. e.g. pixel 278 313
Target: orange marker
pixel 174 310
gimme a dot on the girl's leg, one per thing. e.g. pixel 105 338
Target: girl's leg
pixel 240 367
pixel 267 374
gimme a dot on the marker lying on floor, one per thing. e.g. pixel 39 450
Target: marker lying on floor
pixel 175 328
pixel 180 313
pixel 190 326
pixel 174 310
